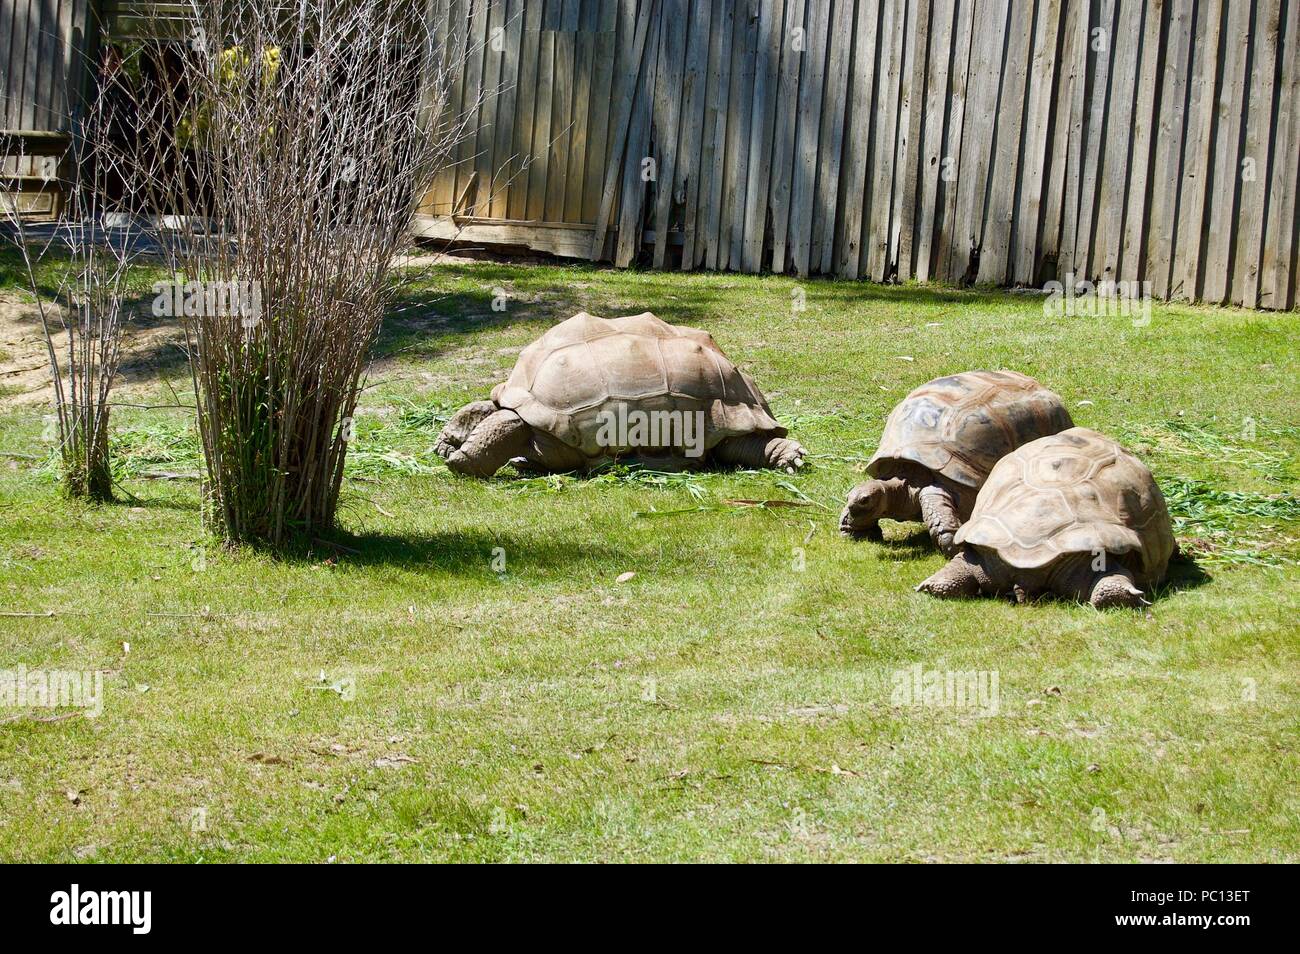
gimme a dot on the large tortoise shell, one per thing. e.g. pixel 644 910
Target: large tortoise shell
pixel 961 425
pixel 1073 492
pixel 585 365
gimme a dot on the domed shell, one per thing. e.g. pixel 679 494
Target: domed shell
pixel 961 425
pixel 585 365
pixel 1073 492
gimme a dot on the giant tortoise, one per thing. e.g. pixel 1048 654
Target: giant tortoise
pixel 939 445
pixel 1073 514
pixel 593 390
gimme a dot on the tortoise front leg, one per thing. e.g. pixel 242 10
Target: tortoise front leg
pixel 1112 585
pixel 939 511
pixel 462 424
pixel 499 437
pixel 961 576
pixel 1116 588
pixel 760 450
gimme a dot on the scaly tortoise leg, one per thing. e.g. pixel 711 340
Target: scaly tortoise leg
pixel 939 511
pixel 761 450
pixel 457 430
pixel 960 577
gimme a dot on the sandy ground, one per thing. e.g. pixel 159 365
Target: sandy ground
pixel 152 349
pixel 152 346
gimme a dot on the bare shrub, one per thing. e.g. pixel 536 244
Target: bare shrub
pixel 282 151
pixel 78 270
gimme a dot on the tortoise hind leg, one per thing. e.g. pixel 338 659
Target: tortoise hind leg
pixel 760 450
pixel 462 424
pixel 499 437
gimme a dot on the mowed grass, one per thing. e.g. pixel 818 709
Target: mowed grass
pixel 406 695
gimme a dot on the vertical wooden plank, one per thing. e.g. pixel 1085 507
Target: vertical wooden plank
pixel 892 27
pixel 630 213
pixel 539 171
pixel 793 46
pixel 803 193
pixel 1095 147
pixel 936 96
pixel 1042 72
pixel 720 83
pixel 8 64
pixel 474 98
pixel 999 218
pixel 602 94
pixel 526 110
pixel 1058 151
pixel 486 162
pixel 1169 150
pixel 835 91
pixel 1264 78
pixel 667 119
pixel 857 151
pixel 950 161
pixel 762 120
pixel 1118 140
pixel 30 115
pixel 1224 194
pixel 692 167
pixel 503 159
pixel 989 30
pixel 1130 268
pixel 910 149
pixel 47 64
pixel 1200 137
pixel 1275 290
pixel 1074 161
pixel 562 121
pixel 579 145
pixel 639 38
pixel 744 59
pixel 62 66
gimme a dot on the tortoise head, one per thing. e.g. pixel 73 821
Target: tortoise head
pixel 865 506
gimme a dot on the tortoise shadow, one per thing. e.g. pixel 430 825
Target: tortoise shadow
pixel 1184 573
pixel 916 544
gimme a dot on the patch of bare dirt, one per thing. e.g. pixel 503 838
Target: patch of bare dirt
pixel 151 347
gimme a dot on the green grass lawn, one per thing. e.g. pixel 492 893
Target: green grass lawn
pixel 398 698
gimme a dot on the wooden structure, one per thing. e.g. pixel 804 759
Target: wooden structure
pixel 992 141
pixel 43 46
pixel 997 141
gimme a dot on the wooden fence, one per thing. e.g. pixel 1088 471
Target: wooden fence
pixel 998 141
pixel 43 47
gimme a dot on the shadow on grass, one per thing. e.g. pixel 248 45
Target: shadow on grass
pixel 467 552
pixel 916 544
pixel 1184 574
